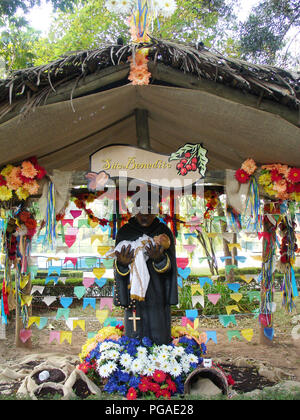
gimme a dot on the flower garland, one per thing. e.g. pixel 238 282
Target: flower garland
pixel 20 181
pixel 137 367
pixel 212 200
pixel 80 202
pixel 276 180
pixel 139 74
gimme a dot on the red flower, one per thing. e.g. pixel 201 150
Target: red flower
pixel 230 380
pixel 31 224
pixel 143 386
pixel 172 385
pixel 24 216
pixel 159 376
pixel 297 188
pixel 131 394
pixel 165 393
pixel 41 172
pixel 154 387
pixel 275 176
pixel 2 181
pixel 120 327
pixel 241 176
pixel 294 175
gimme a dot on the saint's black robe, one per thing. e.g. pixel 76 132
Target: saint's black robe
pixel 162 291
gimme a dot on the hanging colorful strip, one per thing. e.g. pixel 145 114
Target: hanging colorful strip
pixel 251 219
pixel 287 257
pixel 50 216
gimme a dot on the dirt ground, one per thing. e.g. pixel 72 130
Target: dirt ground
pixel 283 353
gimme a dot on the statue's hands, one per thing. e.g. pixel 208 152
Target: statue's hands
pixel 155 252
pixel 125 256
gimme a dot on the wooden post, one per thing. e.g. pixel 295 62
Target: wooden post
pixel 142 128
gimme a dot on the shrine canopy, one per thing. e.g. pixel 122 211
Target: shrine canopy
pixel 64 111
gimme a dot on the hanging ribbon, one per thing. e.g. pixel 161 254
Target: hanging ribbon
pixel 50 216
pixel 252 206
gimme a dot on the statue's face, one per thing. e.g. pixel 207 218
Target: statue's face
pixel 145 220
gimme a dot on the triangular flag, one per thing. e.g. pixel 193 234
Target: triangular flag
pixel 191 314
pixel 106 301
pixel 89 301
pixel 80 323
pixel 184 272
pixel 234 287
pixel 213 297
pixel 66 301
pixel 231 246
pixel 211 335
pixel 42 323
pixel 62 312
pixel 196 288
pixel 182 262
pixel 236 296
pixel 54 335
pixel 83 222
pixel 38 289
pixel 231 308
pixel 49 299
pixel 26 299
pixel 54 269
pixel 79 291
pixel 247 277
pixel 189 248
pixel 233 333
pixel 24 281
pixel 179 281
pixel 32 320
pixel 65 335
pixel 70 240
pixel 90 262
pixel 102 315
pixel 48 279
pixel 198 299
pixel 88 281
pixel 73 260
pixel 98 272
pixel 25 335
pixel 108 263
pixel 102 250
pixel 247 333
pixel 76 213
pixel 96 238
pixel 67 221
pixel 101 282
pixel 225 320
pixel 204 280
pixel 269 333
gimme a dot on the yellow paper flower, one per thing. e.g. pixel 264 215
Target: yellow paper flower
pixel 7 170
pixel 22 194
pixel 5 193
pixel 265 179
pixel 295 196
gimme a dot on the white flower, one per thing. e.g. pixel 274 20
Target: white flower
pixel 165 366
pixel 126 360
pixel 192 358
pixel 105 370
pixel 109 345
pixel 175 369
pixel 178 351
pixel 119 6
pixel 137 366
pixel 163 356
pixel 167 7
pixel 149 370
pixel 141 351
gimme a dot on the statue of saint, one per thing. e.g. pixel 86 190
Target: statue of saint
pixel 146 277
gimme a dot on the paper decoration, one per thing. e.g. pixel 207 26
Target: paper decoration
pixel 213 297
pixel 88 281
pixel 225 320
pixel 67 221
pixel 235 287
pixel 186 321
pixel 236 296
pixel 83 222
pixel 96 238
pixel 228 268
pixel 247 333
pixel 247 277
pixel 271 307
pixel 257 257
pixel 231 246
pixel 182 262
pixel 26 299
pixel 231 308
pixel 264 319
pixel 211 335
pixel 189 248
pixel 191 314
pixel 179 282
pixel 24 281
pixel 32 320
pixel 62 312
pixel 102 315
pixel 106 301
pixel 49 299
pixel 102 250
pixel 212 235
pixel 65 335
pixel 70 240
pixel 76 213
pixel 91 334
pixel 43 322
pixel 49 279
pixel 198 299
pixel 196 288
pixel 254 294
pixel 25 335
pixel 72 260
pixel 33 269
pixel 63 279
pixel 233 333
pixel 241 258
pixel 79 323
pixel 108 263
pixel 269 333
pixel 223 258
pixel 38 289
pixel 101 282
pixel 89 301
pixel 66 301
pixel 98 272
pixel 112 321
pixel 184 273
pixel 54 335
pixel 90 262
pixel 204 280
pixel 190 235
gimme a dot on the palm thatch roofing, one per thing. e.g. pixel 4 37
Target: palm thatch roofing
pixel 65 110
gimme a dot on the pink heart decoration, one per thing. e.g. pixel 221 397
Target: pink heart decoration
pixel 25 335
pixel 189 248
pixel 76 213
pixel 88 281
pixel 70 240
pixel 213 297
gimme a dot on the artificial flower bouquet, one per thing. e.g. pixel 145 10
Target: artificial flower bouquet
pixel 20 182
pixel 275 180
pixel 138 368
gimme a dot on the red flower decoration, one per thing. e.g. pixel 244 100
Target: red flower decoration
pixel 241 176
pixel 159 376
pixel 2 181
pixel 275 176
pixel 131 394
pixel 294 175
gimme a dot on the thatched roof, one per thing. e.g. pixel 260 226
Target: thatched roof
pixel 83 101
pixel 266 82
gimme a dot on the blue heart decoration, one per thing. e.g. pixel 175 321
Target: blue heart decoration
pixel 179 281
pixel 184 272
pixel 100 282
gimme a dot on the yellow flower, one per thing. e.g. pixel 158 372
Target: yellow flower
pixel 103 334
pixel 265 179
pixel 269 190
pixel 5 193
pixel 7 170
pixel 22 194
pixel 295 196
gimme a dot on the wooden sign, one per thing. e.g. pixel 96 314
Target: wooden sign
pixel 180 169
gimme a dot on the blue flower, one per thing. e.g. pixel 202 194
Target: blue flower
pixel 122 389
pixel 131 349
pixel 189 349
pixel 134 381
pixel 147 342
pixel 203 348
pixel 123 340
pixel 123 376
